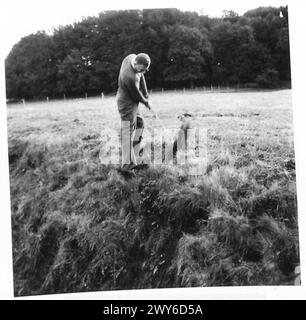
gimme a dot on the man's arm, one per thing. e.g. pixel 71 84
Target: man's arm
pixel 143 86
pixel 134 92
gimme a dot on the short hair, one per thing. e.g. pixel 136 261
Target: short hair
pixel 143 58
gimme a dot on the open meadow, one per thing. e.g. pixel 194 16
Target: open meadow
pixel 78 225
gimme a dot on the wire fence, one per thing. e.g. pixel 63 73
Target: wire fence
pixel 206 89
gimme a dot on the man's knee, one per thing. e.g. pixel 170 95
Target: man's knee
pixel 139 122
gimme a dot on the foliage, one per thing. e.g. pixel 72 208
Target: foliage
pixel 187 49
pixel 268 79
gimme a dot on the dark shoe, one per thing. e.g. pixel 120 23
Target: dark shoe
pixel 126 173
pixel 141 166
pixel 128 166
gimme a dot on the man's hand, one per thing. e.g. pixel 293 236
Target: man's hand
pixel 148 105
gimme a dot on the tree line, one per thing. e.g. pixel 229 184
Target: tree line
pixel 187 49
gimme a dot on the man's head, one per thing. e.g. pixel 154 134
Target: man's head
pixel 142 63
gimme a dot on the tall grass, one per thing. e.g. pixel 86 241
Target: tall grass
pixel 80 226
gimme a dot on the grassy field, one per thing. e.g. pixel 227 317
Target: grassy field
pixel 79 226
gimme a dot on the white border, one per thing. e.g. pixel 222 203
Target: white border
pixel 298 54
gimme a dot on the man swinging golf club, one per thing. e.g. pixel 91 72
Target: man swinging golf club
pixel 132 89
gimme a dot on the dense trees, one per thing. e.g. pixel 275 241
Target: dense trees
pixel 186 48
pixel 29 67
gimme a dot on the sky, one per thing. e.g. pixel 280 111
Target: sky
pixel 21 18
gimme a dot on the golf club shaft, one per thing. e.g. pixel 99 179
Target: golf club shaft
pixel 157 117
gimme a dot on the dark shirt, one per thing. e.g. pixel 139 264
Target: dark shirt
pixel 132 86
